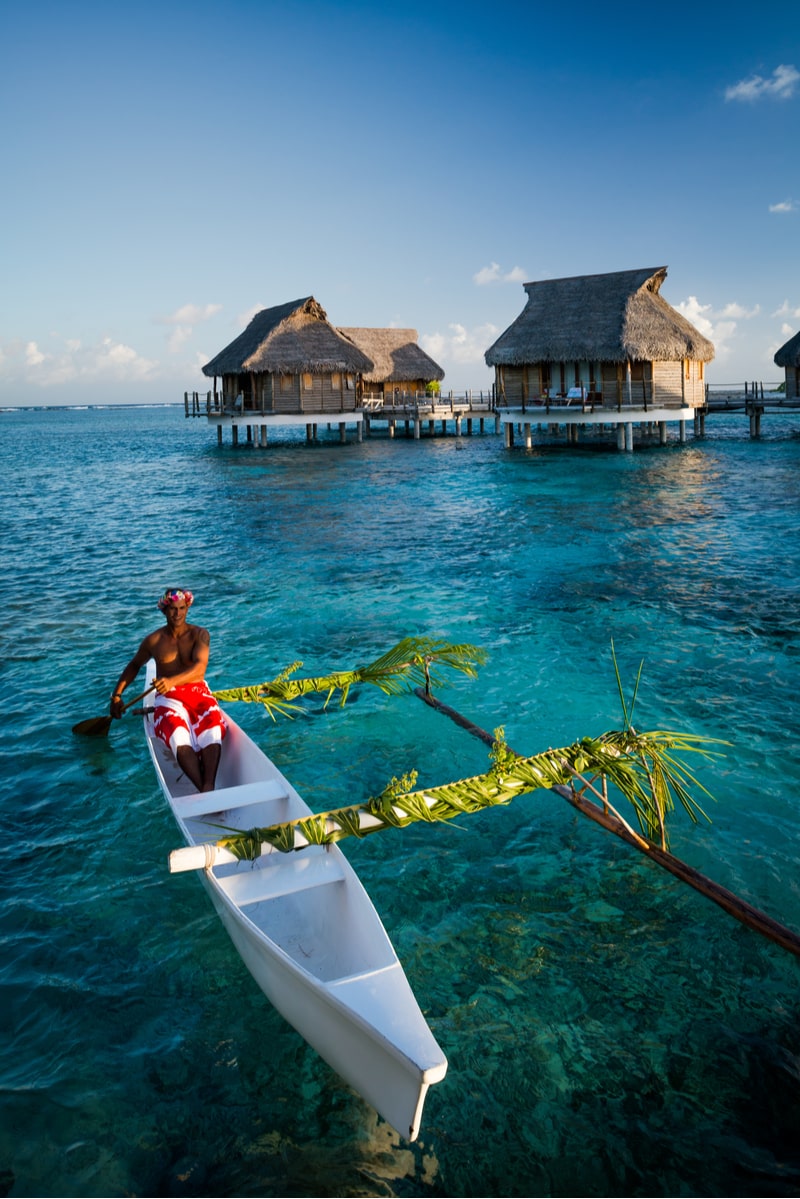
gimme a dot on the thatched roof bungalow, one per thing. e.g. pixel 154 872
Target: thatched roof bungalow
pixel 611 335
pixel 400 366
pixel 290 360
pixel 788 356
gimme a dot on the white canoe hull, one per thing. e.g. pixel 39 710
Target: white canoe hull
pixel 309 934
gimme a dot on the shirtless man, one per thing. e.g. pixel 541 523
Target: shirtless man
pixel 187 717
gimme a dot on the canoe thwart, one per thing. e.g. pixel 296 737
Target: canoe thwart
pixel 224 799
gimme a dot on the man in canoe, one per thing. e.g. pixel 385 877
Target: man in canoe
pixel 187 717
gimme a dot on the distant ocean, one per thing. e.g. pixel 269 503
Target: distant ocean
pixel 609 1031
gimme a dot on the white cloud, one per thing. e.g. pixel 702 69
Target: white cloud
pixel 787 330
pixel 245 318
pixel 699 314
pixel 184 319
pixel 786 309
pixel 780 86
pixel 784 206
pixel 178 337
pixel 460 345
pixel 493 274
pixel 191 314
pixel 738 312
pixel 718 326
pixel 69 362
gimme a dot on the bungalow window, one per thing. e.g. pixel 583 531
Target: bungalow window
pixel 308 381
pixel 700 369
pixel 336 381
pixel 286 383
pixel 687 370
pixel 349 382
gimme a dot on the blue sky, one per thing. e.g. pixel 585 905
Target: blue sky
pixel 170 168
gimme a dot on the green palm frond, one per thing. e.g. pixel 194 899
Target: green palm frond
pixel 414 661
pixel 627 713
pixel 641 766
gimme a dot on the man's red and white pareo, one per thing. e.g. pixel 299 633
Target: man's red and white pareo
pixel 189 715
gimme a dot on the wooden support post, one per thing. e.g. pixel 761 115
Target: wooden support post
pixel 528 439
pixel 343 432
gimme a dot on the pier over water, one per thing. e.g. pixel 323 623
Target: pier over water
pixel 574 417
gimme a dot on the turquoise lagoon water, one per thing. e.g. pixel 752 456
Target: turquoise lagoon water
pixel 609 1031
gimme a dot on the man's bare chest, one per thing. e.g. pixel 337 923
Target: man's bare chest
pixel 177 652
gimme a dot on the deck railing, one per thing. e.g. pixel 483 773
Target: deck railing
pixel 744 391
pixel 401 404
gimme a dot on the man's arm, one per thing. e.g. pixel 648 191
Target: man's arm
pixel 143 653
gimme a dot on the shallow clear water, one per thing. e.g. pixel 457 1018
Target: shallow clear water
pixel 608 1030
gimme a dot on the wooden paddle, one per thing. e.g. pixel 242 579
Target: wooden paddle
pixel 98 726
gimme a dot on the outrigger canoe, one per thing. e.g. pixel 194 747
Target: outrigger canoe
pixel 308 932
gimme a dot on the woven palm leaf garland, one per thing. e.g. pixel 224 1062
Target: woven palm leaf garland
pixel 414 661
pixel 641 765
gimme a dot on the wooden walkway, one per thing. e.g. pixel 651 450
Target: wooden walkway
pixel 415 416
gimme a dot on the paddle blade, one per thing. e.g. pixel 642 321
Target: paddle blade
pixel 95 726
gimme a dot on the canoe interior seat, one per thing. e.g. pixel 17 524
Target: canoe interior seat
pixel 226 798
pixel 279 874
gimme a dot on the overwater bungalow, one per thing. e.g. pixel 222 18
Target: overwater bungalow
pixel 289 366
pixel 788 356
pixel 607 347
pixel 401 368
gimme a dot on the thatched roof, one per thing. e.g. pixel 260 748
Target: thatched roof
pixel 288 340
pixel 395 354
pixel 599 318
pixel 789 355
